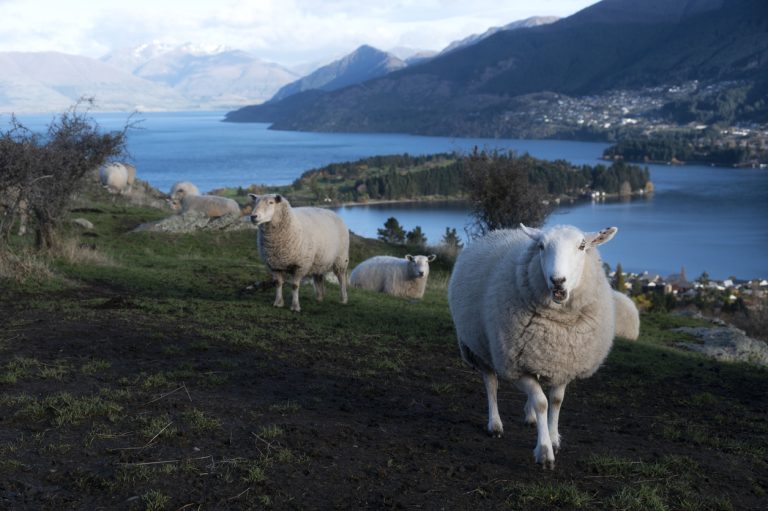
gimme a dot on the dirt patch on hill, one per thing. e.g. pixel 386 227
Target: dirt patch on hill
pixel 111 401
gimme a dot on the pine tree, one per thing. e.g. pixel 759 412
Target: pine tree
pixel 618 281
pixel 392 232
pixel 416 237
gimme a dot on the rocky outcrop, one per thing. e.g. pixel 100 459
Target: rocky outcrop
pixel 196 221
pixel 725 343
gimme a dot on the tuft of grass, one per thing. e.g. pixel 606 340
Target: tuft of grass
pixel 95 366
pixel 155 500
pixel 198 421
pixel 285 407
pixel 548 495
pixel 642 497
pixel 271 432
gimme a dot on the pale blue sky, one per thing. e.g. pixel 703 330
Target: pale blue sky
pixel 288 32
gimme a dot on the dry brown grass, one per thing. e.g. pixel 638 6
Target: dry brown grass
pixel 24 265
pixel 75 252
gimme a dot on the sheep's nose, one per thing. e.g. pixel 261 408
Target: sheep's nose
pixel 558 282
pixel 421 274
pixel 254 218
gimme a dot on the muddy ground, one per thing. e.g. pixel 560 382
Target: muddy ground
pixel 113 401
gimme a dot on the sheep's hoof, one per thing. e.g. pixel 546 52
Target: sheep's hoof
pixel 276 304
pixel 495 430
pixel 543 454
pixel 295 308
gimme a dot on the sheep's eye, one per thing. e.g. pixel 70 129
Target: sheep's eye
pixel 583 245
pixel 271 202
pixel 541 246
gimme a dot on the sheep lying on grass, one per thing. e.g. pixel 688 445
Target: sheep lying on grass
pixel 211 206
pixel 627 317
pixel 117 178
pixel 300 242
pixel 406 277
pixel 533 307
pixel 179 190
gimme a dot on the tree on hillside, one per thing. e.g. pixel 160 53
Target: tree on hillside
pixel 416 237
pixel 392 232
pixel 49 168
pixel 451 238
pixel 618 280
pixel 501 194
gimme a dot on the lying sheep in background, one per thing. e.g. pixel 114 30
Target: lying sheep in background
pixel 117 178
pixel 179 190
pixel 299 242
pixel 211 206
pixel 627 317
pixel 533 307
pixel 406 277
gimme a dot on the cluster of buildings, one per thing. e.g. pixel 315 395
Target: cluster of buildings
pixel 679 287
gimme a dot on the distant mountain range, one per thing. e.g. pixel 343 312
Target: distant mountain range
pixel 535 21
pixel 477 89
pixel 149 77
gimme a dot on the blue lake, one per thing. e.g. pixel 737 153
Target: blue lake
pixel 702 218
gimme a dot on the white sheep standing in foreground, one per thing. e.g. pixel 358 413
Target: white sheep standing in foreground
pixel 179 190
pixel 211 206
pixel 117 178
pixel 299 242
pixel 627 317
pixel 533 307
pixel 406 277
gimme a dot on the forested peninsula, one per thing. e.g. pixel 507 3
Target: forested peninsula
pixel 441 176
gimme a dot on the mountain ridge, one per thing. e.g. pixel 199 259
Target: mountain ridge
pixel 470 91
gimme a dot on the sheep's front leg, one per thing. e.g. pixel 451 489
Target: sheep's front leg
pixel 319 281
pixel 495 427
pixel 543 453
pixel 556 395
pixel 278 278
pixel 295 284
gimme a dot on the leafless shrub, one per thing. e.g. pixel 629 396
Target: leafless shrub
pixel 500 193
pixel 49 168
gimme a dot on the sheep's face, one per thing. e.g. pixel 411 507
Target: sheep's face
pixel 418 266
pixel 562 254
pixel 174 204
pixel 264 207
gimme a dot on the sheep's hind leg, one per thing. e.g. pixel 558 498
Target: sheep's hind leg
pixel 495 427
pixel 556 395
pixel 319 281
pixel 341 274
pixel 543 453
pixel 295 284
pixel 278 278
pixel 529 413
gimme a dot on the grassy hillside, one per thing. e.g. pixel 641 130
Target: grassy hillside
pixel 150 378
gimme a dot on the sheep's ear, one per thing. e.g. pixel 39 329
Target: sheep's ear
pixel 431 258
pixel 278 197
pixel 532 233
pixel 409 257
pixel 253 196
pixel 594 239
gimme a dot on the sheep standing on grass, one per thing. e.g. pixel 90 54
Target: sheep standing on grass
pixel 533 307
pixel 300 242
pixel 627 317
pixel 406 277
